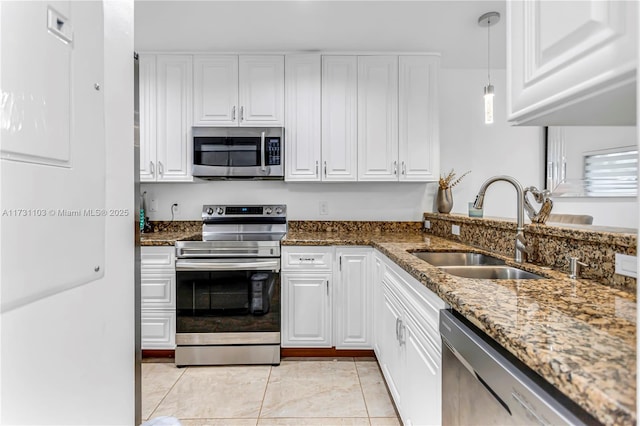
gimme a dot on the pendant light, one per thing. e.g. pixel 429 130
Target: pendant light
pixel 487 20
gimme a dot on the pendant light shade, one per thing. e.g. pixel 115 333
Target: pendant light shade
pixel 487 20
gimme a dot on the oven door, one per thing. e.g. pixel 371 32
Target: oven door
pixel 238 152
pixel 238 297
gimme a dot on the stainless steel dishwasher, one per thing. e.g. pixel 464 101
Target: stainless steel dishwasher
pixel 483 384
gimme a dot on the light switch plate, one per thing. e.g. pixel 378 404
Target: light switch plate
pixel 626 265
pixel 455 229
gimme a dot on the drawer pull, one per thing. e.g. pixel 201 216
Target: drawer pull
pixel 307 259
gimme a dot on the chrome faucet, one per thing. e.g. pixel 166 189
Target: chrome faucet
pixel 521 243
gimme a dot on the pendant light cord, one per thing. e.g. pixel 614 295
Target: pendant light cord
pixel 489 50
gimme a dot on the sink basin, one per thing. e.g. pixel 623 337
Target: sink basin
pixel 491 272
pixel 457 259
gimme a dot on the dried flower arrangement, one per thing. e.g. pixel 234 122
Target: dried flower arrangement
pixel 448 181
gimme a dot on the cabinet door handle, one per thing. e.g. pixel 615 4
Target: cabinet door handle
pixel 325 169
pixel 160 168
pixel 317 165
pixel 395 168
pixel 241 113
pixel 233 113
pixel 401 338
pixel 152 168
pixel 404 168
pixel 327 287
pixel 398 329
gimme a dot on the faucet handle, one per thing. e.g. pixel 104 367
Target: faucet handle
pixel 574 267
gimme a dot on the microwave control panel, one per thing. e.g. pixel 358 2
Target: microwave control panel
pixel 273 152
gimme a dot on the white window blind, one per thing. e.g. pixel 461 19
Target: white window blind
pixel 612 173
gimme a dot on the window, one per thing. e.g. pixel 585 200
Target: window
pixel 612 172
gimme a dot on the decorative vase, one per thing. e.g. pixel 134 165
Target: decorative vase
pixel 444 200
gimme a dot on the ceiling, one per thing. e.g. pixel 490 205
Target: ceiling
pixel 449 27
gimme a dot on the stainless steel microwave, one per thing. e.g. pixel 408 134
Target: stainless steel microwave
pixel 238 152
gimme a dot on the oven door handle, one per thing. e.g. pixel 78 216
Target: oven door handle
pixel 213 265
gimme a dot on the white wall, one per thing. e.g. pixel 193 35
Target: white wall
pixel 487 150
pixel 69 358
pixel 466 144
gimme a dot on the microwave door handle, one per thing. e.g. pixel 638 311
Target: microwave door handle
pixel 268 265
pixel 264 154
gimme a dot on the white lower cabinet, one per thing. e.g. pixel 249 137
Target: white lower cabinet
pixel 306 317
pixel 326 297
pixel 352 298
pixel 158 297
pixel 407 343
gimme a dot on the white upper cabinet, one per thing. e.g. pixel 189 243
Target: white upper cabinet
pixel 419 149
pixel 215 98
pixel 231 90
pixel 174 85
pixel 378 118
pixel 261 90
pixel 339 118
pixel 302 133
pixel 147 91
pixel 572 63
pixel 165 118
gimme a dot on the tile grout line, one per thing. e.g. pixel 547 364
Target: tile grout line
pixel 168 392
pixel 364 399
pixel 264 395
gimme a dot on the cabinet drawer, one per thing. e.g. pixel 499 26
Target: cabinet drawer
pixel 307 258
pixel 157 257
pixel 158 330
pixel 158 290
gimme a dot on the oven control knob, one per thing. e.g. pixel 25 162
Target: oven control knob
pixel 268 210
pixel 209 211
pixel 219 210
pixel 278 210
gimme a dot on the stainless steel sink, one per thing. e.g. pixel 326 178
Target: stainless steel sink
pixel 457 259
pixel 491 272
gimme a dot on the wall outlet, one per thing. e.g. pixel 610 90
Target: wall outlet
pixel 324 208
pixel 153 206
pixel 427 224
pixel 626 265
pixel 455 229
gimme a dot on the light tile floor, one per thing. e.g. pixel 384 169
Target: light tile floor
pixel 343 391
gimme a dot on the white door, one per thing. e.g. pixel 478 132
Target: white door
pixel 306 316
pixel 215 90
pixel 261 90
pixel 174 143
pixel 378 271
pixel 419 152
pixel 572 62
pixel 378 118
pixel 147 92
pixel 353 299
pixel 339 118
pixel 302 132
pixel 422 387
pixel 389 343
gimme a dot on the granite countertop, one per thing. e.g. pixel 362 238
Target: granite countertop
pixel 577 334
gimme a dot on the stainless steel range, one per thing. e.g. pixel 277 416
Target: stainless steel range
pixel 228 287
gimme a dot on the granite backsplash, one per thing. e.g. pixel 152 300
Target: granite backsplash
pixel 552 244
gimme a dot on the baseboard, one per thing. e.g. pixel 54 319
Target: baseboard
pixel 284 352
pixel 326 352
pixel 158 353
